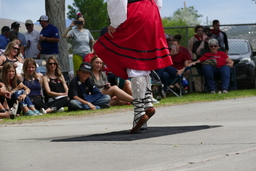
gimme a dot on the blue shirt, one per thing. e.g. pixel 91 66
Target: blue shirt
pixel 22 38
pixel 49 47
pixel 3 41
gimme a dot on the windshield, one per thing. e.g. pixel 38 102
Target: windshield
pixel 238 47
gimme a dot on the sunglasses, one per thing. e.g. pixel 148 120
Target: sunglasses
pixel 213 46
pixel 15 48
pixel 51 63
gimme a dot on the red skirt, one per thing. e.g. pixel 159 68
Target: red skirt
pixel 139 43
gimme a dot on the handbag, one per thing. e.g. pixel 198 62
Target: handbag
pixel 211 62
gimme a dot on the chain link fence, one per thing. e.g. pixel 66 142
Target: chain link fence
pixel 242 44
pixel 242 49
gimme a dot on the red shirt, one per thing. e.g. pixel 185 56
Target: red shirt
pixel 219 56
pixel 185 50
pixel 179 60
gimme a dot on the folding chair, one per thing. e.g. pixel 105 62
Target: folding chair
pixel 232 83
pixel 157 86
pixel 178 79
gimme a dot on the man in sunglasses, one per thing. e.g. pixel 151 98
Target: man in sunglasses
pixel 32 37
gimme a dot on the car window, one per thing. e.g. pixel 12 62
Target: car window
pixel 238 47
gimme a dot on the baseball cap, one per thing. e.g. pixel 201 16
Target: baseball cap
pixel 29 21
pixel 5 29
pixel 86 67
pixel 15 25
pixel 43 18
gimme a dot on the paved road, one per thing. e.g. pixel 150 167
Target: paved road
pixel 212 136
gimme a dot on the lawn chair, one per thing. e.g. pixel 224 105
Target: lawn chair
pixel 157 86
pixel 178 79
pixel 217 78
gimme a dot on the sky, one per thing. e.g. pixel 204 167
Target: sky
pixel 226 11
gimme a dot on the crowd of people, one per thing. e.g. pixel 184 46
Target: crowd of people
pixel 25 90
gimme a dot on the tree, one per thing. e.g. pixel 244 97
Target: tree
pixel 94 12
pixel 173 27
pixel 182 17
pixel 55 10
pixel 189 15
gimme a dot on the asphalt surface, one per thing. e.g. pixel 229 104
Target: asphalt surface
pixel 212 136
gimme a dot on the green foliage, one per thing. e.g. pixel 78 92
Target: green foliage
pixel 182 17
pixel 175 29
pixel 190 15
pixel 94 12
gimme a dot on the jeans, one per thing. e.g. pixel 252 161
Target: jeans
pixel 26 101
pixel 166 74
pixel 210 71
pixel 77 105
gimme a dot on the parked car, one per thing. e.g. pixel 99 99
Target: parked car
pixel 241 52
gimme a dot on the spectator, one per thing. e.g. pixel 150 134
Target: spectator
pixel 84 94
pixel 123 84
pixel 99 78
pixel 82 40
pixel 4 37
pixel 11 54
pixel 32 37
pixel 5 112
pixel 216 63
pixel 180 62
pixel 195 41
pixel 182 48
pixel 34 82
pixel 49 38
pixel 15 27
pixel 55 85
pixel 193 44
pixel 220 35
pixel 13 35
pixel 204 43
pixel 18 90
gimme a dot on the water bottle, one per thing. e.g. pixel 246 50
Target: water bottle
pixel 184 82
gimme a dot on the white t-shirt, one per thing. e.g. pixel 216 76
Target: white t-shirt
pixel 33 37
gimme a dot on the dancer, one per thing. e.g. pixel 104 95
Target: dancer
pixel 133 46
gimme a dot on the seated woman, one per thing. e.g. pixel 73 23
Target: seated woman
pixel 18 90
pixel 5 112
pixel 99 78
pixel 83 93
pixel 180 62
pixel 123 84
pixel 34 82
pixel 55 86
pixel 11 54
pixel 216 63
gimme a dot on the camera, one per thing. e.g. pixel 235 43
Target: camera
pixel 79 22
pixel 105 86
pixel 209 34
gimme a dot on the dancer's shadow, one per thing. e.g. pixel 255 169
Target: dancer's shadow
pixel 126 136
